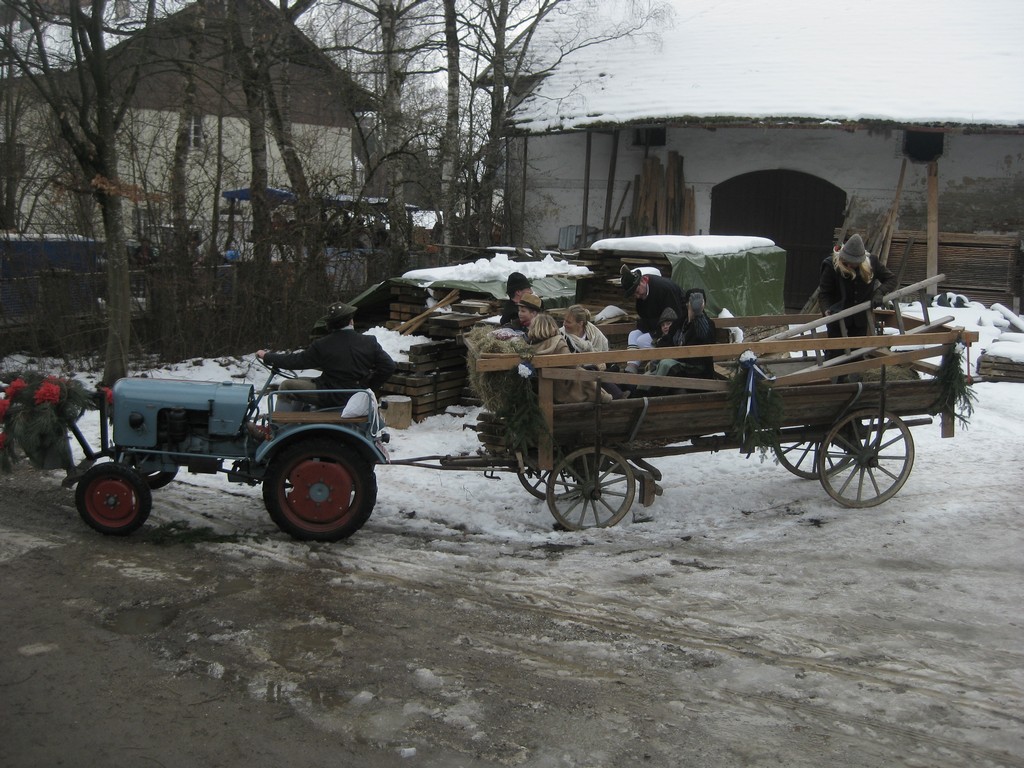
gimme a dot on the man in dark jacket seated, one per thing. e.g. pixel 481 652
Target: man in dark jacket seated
pixel 697 328
pixel 347 360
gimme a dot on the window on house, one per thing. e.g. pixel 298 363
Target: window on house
pixel 649 137
pixel 195 132
pixel 923 146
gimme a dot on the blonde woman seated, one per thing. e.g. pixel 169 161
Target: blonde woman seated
pixel 545 339
pixel 580 334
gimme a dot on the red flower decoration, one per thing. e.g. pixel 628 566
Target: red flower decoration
pixel 15 387
pixel 48 392
pixel 4 405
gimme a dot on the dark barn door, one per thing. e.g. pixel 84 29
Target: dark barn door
pixel 798 211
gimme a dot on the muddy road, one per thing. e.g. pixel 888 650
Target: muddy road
pixel 185 646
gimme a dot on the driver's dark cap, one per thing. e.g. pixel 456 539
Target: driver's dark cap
pixel 340 313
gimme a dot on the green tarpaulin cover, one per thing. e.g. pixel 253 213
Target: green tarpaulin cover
pixel 748 282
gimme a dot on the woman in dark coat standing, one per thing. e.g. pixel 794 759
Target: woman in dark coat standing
pixel 851 276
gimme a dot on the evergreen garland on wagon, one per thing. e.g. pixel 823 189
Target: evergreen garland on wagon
pixel 509 395
pixel 757 409
pixel 956 394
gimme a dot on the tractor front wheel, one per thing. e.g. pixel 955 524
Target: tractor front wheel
pixel 113 499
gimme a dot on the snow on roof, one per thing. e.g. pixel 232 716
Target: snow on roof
pixel 706 245
pixel 904 61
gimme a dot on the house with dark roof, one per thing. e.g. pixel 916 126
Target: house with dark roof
pixel 789 120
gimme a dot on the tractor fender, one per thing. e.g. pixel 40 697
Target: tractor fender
pixel 352 437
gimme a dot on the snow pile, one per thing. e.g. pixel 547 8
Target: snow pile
pixel 1009 344
pixel 497 269
pixel 700 245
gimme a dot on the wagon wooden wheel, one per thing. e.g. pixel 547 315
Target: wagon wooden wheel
pixel 591 487
pixel 799 456
pixel 866 458
pixel 532 477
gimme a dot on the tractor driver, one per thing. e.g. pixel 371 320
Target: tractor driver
pixel 346 358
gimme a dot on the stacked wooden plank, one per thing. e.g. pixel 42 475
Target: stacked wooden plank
pixel 984 268
pixel 450 325
pixel 433 377
pixel 993 368
pixel 662 204
pixel 407 301
pixel 603 288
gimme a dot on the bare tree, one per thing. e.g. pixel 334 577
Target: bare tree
pixel 63 52
pixel 504 36
pixel 391 43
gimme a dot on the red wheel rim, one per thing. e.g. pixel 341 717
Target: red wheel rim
pixel 112 502
pixel 321 491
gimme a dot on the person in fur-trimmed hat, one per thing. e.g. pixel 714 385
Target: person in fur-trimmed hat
pixel 516 286
pixel 850 276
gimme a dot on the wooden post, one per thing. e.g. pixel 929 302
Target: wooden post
pixel 606 225
pixel 586 190
pixel 545 444
pixel 522 192
pixel 933 221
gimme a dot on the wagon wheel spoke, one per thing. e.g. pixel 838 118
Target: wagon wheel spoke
pixel 590 488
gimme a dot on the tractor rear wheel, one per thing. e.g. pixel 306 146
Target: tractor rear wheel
pixel 317 490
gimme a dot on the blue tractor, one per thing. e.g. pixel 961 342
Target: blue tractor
pixel 316 468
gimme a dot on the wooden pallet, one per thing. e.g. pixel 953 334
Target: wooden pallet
pixel 433 377
pixel 1000 369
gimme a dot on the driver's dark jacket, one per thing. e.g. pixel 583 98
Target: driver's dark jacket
pixel 661 293
pixel 346 359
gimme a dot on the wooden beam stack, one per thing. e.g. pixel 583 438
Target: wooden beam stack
pixel 434 377
pixel 993 368
pixel 984 268
pixel 407 302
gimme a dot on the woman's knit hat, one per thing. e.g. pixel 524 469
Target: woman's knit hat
pixel 853 250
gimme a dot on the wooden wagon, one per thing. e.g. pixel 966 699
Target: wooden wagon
pixel 844 421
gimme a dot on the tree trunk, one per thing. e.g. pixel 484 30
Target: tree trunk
pixel 308 237
pixel 491 155
pixel 391 115
pixel 115 362
pixel 450 141
pixel 249 61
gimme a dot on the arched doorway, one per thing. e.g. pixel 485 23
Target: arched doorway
pixel 800 212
